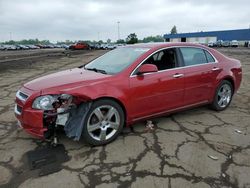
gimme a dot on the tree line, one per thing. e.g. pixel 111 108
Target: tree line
pixel 131 39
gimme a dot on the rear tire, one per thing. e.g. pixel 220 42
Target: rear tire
pixel 223 96
pixel 103 123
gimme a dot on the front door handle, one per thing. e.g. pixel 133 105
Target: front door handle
pixel 177 75
pixel 215 68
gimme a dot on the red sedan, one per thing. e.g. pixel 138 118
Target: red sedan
pixel 127 85
pixel 79 46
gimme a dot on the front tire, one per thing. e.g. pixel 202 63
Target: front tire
pixel 103 122
pixel 223 96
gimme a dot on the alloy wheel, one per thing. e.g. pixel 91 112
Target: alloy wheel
pixel 103 122
pixel 224 95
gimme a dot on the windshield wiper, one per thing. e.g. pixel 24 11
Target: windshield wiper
pixel 96 70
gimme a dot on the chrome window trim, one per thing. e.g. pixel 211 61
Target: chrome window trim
pixel 20 97
pixel 134 75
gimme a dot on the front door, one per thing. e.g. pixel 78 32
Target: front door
pixel 160 91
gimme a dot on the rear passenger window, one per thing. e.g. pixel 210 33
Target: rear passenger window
pixel 209 57
pixel 193 56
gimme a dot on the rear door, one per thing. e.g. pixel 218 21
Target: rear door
pixel 199 75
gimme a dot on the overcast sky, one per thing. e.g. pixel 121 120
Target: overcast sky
pixel 58 20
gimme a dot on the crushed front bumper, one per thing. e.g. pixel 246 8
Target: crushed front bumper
pixel 31 121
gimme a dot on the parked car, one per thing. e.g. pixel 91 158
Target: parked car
pixel 22 47
pixel 32 47
pixel 247 44
pixel 234 43
pixel 79 46
pixel 50 46
pixel 91 46
pixel 226 43
pixel 65 46
pixel 103 46
pixel 219 43
pixel 110 47
pixel 40 46
pixel 211 44
pixel 10 47
pixel 98 46
pixel 57 46
pixel 126 85
pixel 2 47
pixel 119 45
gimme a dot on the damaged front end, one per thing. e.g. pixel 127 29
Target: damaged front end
pixel 62 111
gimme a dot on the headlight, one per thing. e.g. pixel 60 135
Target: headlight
pixel 48 102
pixel 44 102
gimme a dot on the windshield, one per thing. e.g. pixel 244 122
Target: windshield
pixel 116 60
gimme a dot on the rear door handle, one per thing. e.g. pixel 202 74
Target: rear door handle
pixel 177 75
pixel 215 68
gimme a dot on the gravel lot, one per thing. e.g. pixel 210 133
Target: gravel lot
pixel 194 148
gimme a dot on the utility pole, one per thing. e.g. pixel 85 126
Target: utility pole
pixel 118 29
pixel 10 36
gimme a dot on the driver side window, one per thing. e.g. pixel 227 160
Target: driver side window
pixel 165 59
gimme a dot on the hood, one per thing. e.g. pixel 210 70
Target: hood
pixel 70 78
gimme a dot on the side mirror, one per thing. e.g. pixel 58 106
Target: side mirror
pixel 147 68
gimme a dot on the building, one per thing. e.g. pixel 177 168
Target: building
pixel 241 35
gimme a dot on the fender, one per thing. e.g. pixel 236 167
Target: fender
pixel 94 92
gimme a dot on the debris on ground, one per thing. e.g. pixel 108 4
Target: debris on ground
pixel 47 159
pixel 238 131
pixel 213 157
pixel 223 175
pixel 150 126
pixel 128 171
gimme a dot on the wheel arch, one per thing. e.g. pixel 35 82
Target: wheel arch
pixel 227 78
pixel 231 80
pixel 118 102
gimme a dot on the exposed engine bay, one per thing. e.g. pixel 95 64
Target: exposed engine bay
pixel 68 112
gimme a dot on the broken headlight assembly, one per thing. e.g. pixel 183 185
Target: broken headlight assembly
pixel 51 102
pixel 44 102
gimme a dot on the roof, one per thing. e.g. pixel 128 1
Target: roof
pixel 240 34
pixel 162 44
